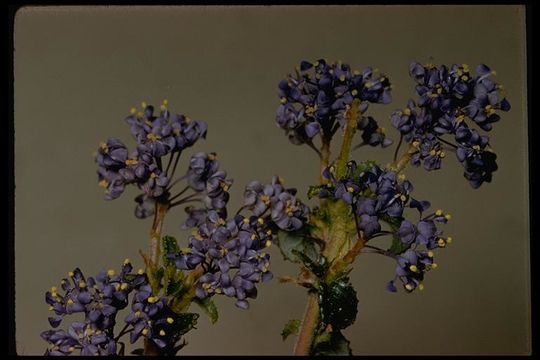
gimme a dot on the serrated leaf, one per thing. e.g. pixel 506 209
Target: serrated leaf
pixel 184 323
pixel 338 303
pixel 290 328
pixel 336 345
pixel 289 241
pixel 209 308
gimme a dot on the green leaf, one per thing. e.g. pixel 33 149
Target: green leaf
pixel 318 268
pixel 209 307
pixel 169 245
pixel 338 303
pixel 397 247
pixel 336 345
pixel 175 289
pixel 139 352
pixel 184 322
pixel 289 241
pixel 290 328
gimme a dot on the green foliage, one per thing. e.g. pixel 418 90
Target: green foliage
pixel 338 303
pixel 318 267
pixel 333 343
pixel 291 328
pixel 290 242
pixel 209 308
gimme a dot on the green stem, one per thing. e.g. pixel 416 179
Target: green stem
pixel 338 233
pixel 350 128
pixel 399 165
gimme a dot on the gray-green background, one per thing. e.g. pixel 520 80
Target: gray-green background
pixel 78 71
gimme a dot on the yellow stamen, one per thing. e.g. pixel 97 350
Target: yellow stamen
pixel 441 243
pixel 269 233
pixel 350 189
pixel 144 332
pixel 413 268
pixel 283 100
pixel 71 274
pixel 153 175
pixel 153 137
pixel 165 102
pixel 245 221
pixel 442 154
pixel 54 289
pixel 354 92
pixel 130 162
pixel 133 110
pixel 162 108
pixel 170 320
pixel 421 287
pixel 342 78
pixel 448 216
pixel 71 349
pixel 70 302
pixel 434 265
pixel 162 332
pixel 51 308
pixel 82 284
pixel 110 272
pixel 140 271
pixel 449 240
pixel 124 286
pixel 143 104
pixel 403 198
pixel 126 261
pixel 253 236
pixel 103 183
pixel 152 299
pixel 260 221
pixel 409 287
pixel 430 254
pixel 439 212
pixel 137 313
pixel 401 177
pixel 407 111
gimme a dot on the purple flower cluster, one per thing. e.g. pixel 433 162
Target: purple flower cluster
pixel 99 298
pixel 157 137
pixel 232 255
pixel 286 211
pixel 447 98
pixel 320 93
pixel 232 252
pixel 379 196
pixel 151 318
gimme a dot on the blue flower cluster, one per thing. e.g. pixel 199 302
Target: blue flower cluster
pixel 447 98
pixel 157 137
pixel 100 298
pixel 232 252
pixel 320 93
pixel 380 196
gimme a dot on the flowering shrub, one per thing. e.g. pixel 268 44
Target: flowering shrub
pixel 226 253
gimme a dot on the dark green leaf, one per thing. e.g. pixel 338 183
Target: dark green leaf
pixel 289 241
pixel 184 323
pixel 318 268
pixel 139 352
pixel 397 246
pixel 169 245
pixel 338 303
pixel 175 289
pixel 336 345
pixel 209 307
pixel 290 328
